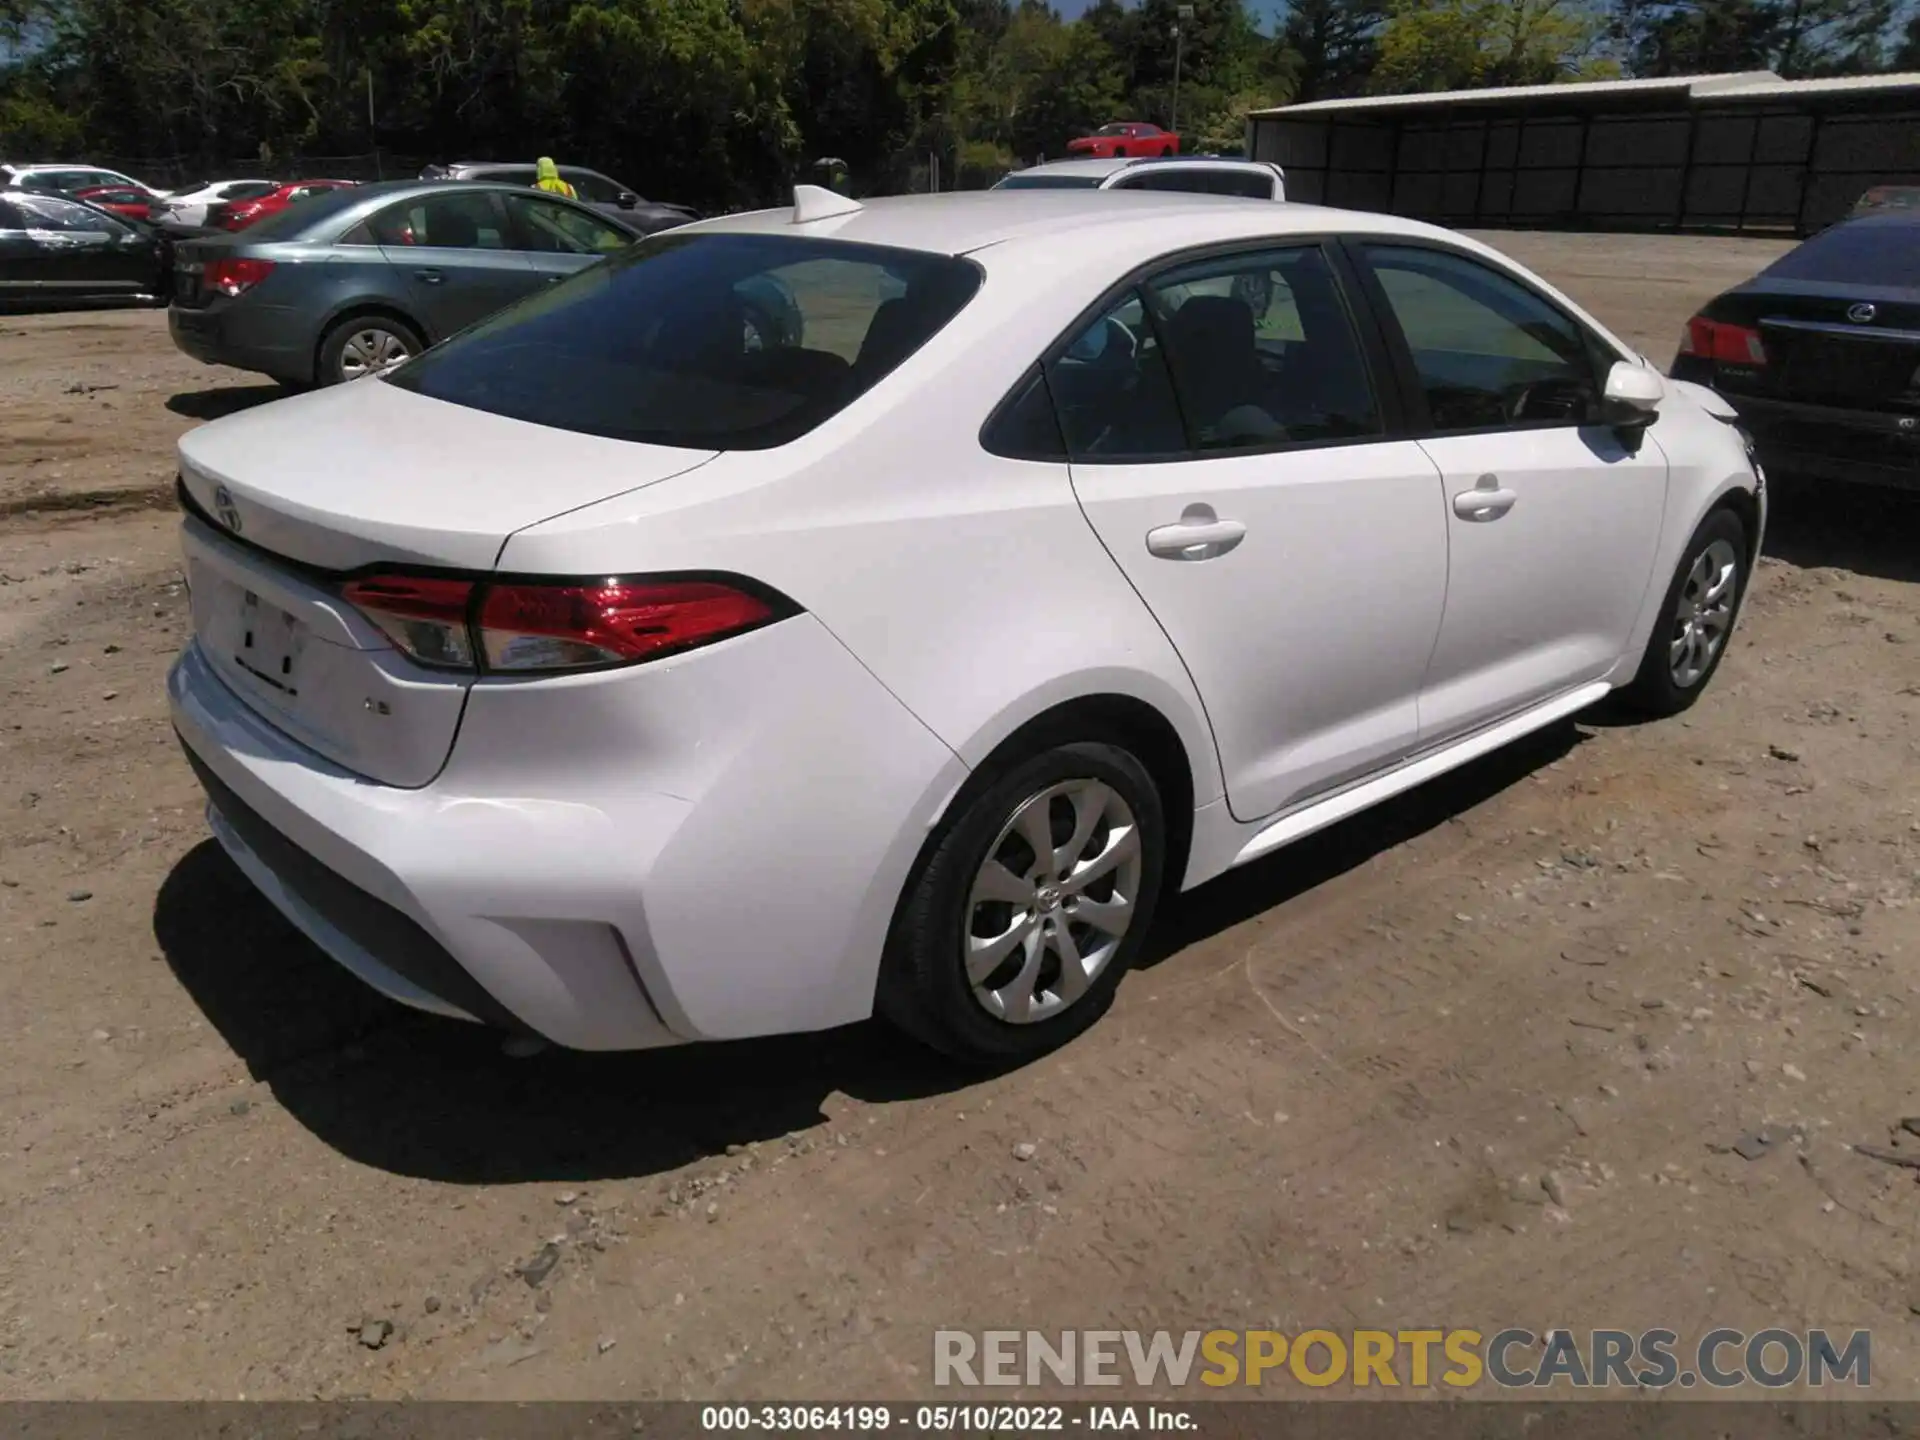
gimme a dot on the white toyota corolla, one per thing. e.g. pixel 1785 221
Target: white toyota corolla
pixel 618 673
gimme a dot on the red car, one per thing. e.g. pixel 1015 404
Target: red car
pixel 241 214
pixel 1125 138
pixel 122 200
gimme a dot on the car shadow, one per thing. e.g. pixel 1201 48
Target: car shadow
pixel 1866 529
pixel 224 400
pixel 417 1095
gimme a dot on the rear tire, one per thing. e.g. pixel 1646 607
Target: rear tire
pixel 1004 949
pixel 364 345
pixel 1696 618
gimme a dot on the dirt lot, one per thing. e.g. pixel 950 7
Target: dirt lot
pixel 1474 1060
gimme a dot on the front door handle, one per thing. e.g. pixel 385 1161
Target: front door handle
pixel 1486 501
pixel 1198 536
pixel 432 277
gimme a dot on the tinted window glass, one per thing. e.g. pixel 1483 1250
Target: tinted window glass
pixel 548 228
pixel 44 212
pixel 1263 351
pixel 1026 427
pixel 592 188
pixel 69 179
pixel 1049 182
pixel 1489 351
pixel 310 215
pixel 730 342
pixel 1249 183
pixel 450 221
pixel 247 189
pixel 1879 250
pixel 1191 182
pixel 9 217
pixel 1111 390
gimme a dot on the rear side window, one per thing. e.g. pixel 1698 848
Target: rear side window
pixel 247 190
pixel 1875 251
pixel 449 221
pixel 1049 182
pixel 1113 392
pixel 711 342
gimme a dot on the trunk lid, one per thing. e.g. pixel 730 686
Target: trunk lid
pixel 1853 347
pixel 365 473
pixel 284 498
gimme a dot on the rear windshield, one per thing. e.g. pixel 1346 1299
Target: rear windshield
pixel 1049 182
pixel 298 219
pixel 1877 250
pixel 709 342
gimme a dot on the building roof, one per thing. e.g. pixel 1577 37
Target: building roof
pixel 1748 85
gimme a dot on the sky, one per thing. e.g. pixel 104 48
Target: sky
pixel 1263 11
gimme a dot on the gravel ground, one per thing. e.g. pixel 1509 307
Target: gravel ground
pixel 1480 1058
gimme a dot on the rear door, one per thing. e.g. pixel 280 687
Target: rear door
pixel 557 239
pixel 1231 444
pixel 455 252
pixel 18 274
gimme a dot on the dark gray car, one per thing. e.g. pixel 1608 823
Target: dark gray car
pixel 352 282
pixel 603 194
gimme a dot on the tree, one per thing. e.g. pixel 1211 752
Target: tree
pixel 1463 44
pixel 1333 45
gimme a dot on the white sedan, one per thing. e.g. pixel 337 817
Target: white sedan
pixel 190 207
pixel 611 674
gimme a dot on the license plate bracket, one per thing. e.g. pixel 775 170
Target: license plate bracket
pixel 269 644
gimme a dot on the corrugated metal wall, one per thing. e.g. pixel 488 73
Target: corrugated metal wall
pixel 1733 167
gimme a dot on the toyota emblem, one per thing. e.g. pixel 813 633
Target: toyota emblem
pixel 225 510
pixel 1862 314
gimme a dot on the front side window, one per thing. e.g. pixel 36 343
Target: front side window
pixel 1263 351
pixel 246 190
pixel 592 188
pixel 548 228
pixel 1489 352
pixel 450 221
pixel 45 212
pixel 711 342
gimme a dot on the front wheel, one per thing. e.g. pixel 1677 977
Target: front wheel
pixel 365 345
pixel 1689 638
pixel 1015 932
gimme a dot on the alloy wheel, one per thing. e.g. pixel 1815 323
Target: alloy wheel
pixel 1703 613
pixel 370 351
pixel 1051 903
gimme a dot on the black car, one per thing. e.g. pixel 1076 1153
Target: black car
pixel 57 249
pixel 590 186
pixel 1820 353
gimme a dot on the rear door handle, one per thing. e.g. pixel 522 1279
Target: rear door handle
pixel 432 277
pixel 1195 539
pixel 1486 501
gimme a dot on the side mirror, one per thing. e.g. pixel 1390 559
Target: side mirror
pixel 627 200
pixel 1632 398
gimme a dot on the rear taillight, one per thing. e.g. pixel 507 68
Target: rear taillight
pixel 230 276
pixel 1723 343
pixel 529 627
pixel 424 616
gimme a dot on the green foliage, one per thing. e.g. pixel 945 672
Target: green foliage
pixel 728 102
pixel 1464 44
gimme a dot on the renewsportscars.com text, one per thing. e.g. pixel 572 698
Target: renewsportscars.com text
pixel 1415 1359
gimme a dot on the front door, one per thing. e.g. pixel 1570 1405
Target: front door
pixel 1552 518
pixel 558 239
pixel 1228 445
pixel 454 251
pixel 77 250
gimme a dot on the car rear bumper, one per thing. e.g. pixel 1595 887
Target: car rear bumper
pixel 1824 443
pixel 703 848
pixel 267 339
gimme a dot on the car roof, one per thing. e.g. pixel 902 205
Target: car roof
pixel 1127 226
pixel 1100 169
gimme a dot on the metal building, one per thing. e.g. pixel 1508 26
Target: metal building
pixel 1706 152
